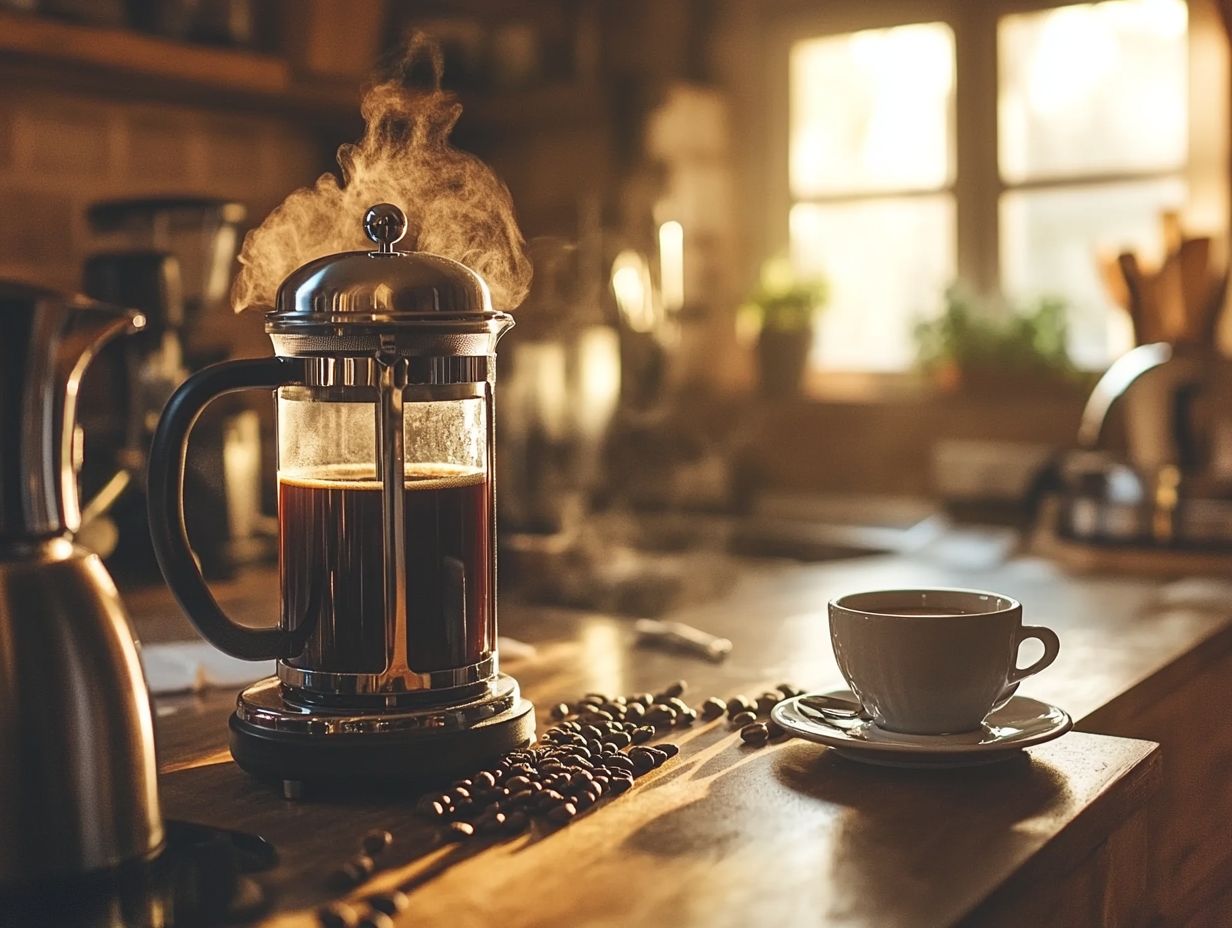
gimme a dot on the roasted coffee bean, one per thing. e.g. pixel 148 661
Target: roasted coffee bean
pixel 484 779
pixel 642 761
pixel 686 718
pixel 789 690
pixel 712 708
pixel 591 732
pixel 618 740
pixel 571 726
pixel 642 734
pixel 582 800
pixel 459 793
pixel 338 915
pixel 661 714
pixel 560 711
pixel 767 701
pixel 627 764
pixel 738 704
pixel 562 814
pixel 520 800
pixel 516 822
pixel 635 711
pixel 461 784
pixel 600 714
pixel 580 750
pixel 376 920
pixel 595 746
pixel 462 809
pixel 460 831
pixel 391 903
pixel 620 785
pixel 675 689
pixel 548 800
pixel 646 699
pixel 349 875
pixel 754 733
pixel 774 729
pixel 491 824
pixel 668 749
pixel 431 806
pixel 740 719
pixel 516 784
pixel 376 841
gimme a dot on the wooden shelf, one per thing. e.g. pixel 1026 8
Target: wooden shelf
pixel 107 60
pixel 118 61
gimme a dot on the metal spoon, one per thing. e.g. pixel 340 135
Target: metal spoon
pixel 835 707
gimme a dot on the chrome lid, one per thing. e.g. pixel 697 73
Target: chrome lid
pixel 358 293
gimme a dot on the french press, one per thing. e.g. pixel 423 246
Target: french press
pixel 386 642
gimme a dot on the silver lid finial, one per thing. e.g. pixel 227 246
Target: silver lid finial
pixel 385 224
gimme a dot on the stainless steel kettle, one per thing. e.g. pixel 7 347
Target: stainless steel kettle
pixel 78 788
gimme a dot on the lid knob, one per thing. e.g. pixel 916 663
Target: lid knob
pixel 385 224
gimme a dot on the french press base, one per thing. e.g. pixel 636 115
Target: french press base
pixel 387 665
pixel 274 738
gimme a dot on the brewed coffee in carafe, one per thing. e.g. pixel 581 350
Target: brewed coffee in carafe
pixel 332 551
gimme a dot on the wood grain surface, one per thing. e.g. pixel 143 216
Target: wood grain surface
pixel 730 835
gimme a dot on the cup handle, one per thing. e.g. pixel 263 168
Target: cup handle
pixel 1045 636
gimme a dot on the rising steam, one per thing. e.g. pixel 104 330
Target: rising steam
pixel 455 206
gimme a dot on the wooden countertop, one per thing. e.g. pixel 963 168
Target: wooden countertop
pixel 726 834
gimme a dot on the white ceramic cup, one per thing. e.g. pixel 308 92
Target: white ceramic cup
pixel 933 662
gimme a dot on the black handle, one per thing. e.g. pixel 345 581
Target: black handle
pixel 166 502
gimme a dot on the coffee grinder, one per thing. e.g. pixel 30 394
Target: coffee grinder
pixel 386 643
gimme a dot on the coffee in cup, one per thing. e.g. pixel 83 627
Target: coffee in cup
pixel 933 662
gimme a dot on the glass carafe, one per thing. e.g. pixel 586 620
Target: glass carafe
pixel 384 380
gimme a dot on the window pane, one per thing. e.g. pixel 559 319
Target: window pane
pixel 1049 242
pixel 1093 88
pixel 888 263
pixel 872 110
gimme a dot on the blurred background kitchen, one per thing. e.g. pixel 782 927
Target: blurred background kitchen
pixel 811 279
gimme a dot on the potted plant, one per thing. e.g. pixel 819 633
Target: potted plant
pixel 783 309
pixel 970 344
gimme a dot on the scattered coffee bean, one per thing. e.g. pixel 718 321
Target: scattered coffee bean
pixel 516 822
pixel 788 690
pixel 675 689
pixel 391 903
pixel 712 708
pixel 376 920
pixel 767 701
pixel 754 733
pixel 740 719
pixel 562 814
pixel 619 739
pixel 338 915
pixel 431 806
pixel 642 761
pixel 485 779
pixel 635 711
pixel 459 831
pixel 560 711
pixel 661 714
pixel 738 704
pixel 490 823
pixel 376 841
pixel 642 734
pixel 686 718
pixel 349 875
pixel 668 749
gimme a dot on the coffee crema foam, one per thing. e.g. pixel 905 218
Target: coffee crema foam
pixel 428 476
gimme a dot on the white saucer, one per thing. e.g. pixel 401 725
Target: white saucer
pixel 1020 723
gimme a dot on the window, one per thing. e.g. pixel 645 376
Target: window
pixel 872 163
pixel 912 162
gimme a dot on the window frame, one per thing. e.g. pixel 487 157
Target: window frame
pixel 977 185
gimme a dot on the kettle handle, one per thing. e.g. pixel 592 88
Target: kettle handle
pixel 166 502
